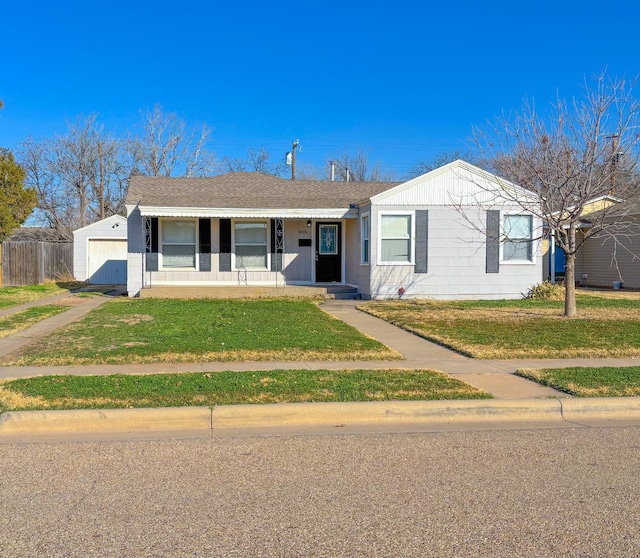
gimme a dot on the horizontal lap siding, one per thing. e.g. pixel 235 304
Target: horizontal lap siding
pixel 602 269
pixel 456 262
pixel 297 262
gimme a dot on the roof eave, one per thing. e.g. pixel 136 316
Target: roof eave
pixel 249 212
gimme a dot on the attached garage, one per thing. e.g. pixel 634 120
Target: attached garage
pixel 100 252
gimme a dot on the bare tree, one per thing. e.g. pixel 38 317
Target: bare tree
pixel 165 146
pixel 356 165
pixel 580 158
pixel 257 160
pixel 441 159
pixel 79 176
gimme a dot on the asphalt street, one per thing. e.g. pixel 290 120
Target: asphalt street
pixel 534 493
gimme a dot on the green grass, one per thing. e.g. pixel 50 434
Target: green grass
pixel 230 388
pixel 19 321
pixel 156 330
pixel 507 329
pixel 589 382
pixel 12 296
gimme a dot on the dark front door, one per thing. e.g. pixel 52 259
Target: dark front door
pixel 328 253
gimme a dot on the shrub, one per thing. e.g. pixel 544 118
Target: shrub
pixel 546 291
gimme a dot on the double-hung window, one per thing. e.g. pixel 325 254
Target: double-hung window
pixel 517 244
pixel 395 239
pixel 178 243
pixel 251 245
pixel 364 237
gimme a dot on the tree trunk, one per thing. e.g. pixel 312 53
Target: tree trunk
pixel 570 309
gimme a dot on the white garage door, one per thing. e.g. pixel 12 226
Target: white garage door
pixel 107 262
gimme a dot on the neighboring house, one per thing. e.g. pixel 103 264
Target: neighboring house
pixel 100 252
pixel 448 234
pixel 602 261
pixel 606 258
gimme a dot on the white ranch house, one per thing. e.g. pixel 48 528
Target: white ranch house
pixel 448 234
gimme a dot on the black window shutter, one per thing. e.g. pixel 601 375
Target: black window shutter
pixel 225 245
pixel 152 246
pixel 276 257
pixel 204 234
pixel 422 240
pixel 493 241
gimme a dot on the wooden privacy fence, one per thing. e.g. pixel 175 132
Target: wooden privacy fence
pixel 33 262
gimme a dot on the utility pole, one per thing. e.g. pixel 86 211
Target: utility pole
pixel 294 146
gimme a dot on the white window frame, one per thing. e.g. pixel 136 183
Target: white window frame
pixel 504 238
pixel 267 222
pixel 161 244
pixel 365 236
pixel 412 236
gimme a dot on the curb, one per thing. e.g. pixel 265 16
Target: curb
pixel 384 413
pixel 236 418
pixel 90 421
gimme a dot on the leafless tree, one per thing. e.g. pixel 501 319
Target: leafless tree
pixel 80 176
pixel 165 146
pixel 441 159
pixel 581 159
pixel 257 160
pixel 356 164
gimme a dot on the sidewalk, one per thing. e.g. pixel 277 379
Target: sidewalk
pixel 517 397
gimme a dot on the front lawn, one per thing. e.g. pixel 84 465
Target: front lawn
pixel 170 330
pixel 12 296
pixel 589 382
pixel 19 321
pixel 606 326
pixel 230 388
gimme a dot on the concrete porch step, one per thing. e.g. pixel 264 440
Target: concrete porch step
pixel 251 291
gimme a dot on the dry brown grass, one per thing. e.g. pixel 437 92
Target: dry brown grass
pixel 520 330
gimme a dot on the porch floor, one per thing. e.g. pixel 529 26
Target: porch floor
pixel 248 291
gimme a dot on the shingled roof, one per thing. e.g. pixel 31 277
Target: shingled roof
pixel 248 190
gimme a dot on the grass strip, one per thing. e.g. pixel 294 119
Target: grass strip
pixel 12 296
pixel 13 323
pixel 505 329
pixel 230 388
pixel 156 330
pixel 589 382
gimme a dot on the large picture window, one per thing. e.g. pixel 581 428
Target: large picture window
pixel 395 238
pixel 178 244
pixel 518 234
pixel 251 245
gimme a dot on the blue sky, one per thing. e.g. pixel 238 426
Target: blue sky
pixel 406 80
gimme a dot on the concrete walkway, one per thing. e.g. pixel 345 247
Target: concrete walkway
pixel 518 403
pixel 494 376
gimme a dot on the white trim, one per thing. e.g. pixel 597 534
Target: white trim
pixel 267 245
pixel 412 237
pixel 246 213
pixel 366 214
pixel 161 266
pixel 455 166
pixel 504 237
pixel 117 218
